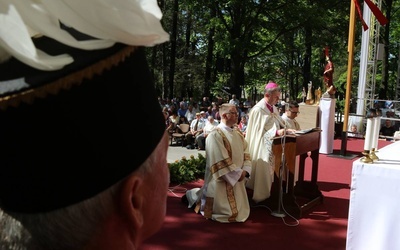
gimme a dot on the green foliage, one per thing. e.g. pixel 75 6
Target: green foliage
pixel 187 170
pixel 281 40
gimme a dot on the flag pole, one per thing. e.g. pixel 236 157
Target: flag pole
pixel 350 49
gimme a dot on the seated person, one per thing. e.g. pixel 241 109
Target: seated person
pixel 196 128
pixel 169 126
pixel 211 124
pixel 354 132
pixel 173 122
pixel 190 113
pixel 387 130
pixel 182 120
pixel 243 124
pixel 182 109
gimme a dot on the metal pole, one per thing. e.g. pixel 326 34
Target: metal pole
pixel 350 48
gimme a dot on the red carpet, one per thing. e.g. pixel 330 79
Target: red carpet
pixel 323 227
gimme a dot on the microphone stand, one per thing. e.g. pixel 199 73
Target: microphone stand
pixel 278 212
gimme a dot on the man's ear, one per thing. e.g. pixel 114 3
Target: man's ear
pixel 132 199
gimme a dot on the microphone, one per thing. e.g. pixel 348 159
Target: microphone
pixel 278 212
pixel 284 128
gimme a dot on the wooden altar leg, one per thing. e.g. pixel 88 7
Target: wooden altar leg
pixel 302 162
pixel 314 172
pixel 308 189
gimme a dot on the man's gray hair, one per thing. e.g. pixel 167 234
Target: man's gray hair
pixel 271 90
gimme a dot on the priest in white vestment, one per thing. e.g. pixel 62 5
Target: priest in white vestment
pixel 263 125
pixel 223 196
pixel 291 112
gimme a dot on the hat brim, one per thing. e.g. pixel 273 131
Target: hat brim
pixel 80 140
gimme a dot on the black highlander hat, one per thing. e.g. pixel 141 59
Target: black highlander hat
pixel 69 134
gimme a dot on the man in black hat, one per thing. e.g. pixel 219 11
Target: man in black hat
pixel 71 175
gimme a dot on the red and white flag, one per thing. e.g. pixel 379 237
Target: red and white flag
pixel 375 10
pixel 377 13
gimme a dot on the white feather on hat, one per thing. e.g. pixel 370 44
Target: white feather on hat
pixel 131 22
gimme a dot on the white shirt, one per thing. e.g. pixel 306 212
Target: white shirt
pixel 235 102
pixel 200 125
pixel 291 123
pixel 210 127
pixel 190 115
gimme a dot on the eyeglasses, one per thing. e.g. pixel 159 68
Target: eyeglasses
pixel 233 113
pixel 294 112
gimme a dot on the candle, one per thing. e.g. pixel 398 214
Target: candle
pixel 373 139
pixel 368 135
pixel 377 127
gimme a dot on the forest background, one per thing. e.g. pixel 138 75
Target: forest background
pixel 225 47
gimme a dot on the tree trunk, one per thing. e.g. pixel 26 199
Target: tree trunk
pixel 209 59
pixel 237 72
pixel 173 48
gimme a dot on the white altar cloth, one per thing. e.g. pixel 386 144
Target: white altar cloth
pixel 374 211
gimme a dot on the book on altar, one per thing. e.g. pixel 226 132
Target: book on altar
pixel 305 131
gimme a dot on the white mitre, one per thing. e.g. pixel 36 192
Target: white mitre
pixel 131 22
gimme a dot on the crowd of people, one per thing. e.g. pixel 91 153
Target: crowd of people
pixel 390 122
pixel 202 116
pixel 197 114
pixel 389 125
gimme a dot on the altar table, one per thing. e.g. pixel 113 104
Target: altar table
pixel 374 210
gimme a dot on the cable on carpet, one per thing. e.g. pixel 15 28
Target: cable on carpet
pixel 177 189
pixel 296 221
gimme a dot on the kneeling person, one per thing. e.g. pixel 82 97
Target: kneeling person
pixel 223 196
